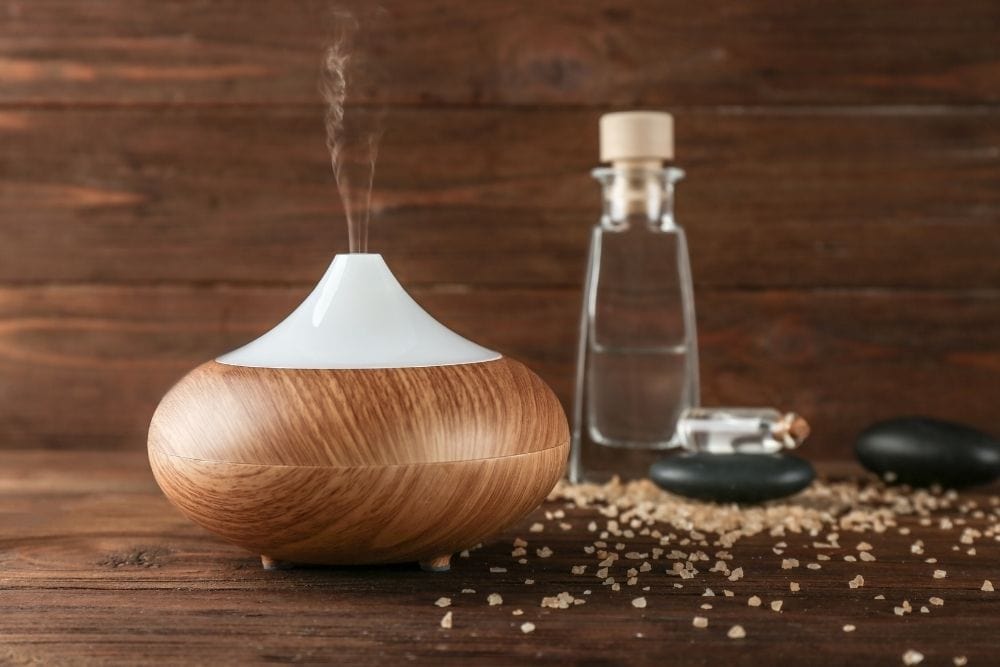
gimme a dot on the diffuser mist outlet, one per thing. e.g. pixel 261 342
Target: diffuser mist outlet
pixel 359 430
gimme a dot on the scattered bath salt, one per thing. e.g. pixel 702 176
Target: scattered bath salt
pixel 898 611
pixel 850 559
pixel 849 628
pixel 856 582
pixel 498 570
pixel 464 553
pixel 940 574
pixel 863 546
pixel 561 601
pixel 814 566
pixel 602 573
pixel 879 597
pixel 959 661
pixel 494 599
pixel 866 556
pixel 776 605
pixel 527 627
pixel 789 563
pixel 709 593
pixel 536 528
pixel 522 561
pixel 544 552
pixel 912 657
pixel 823 557
pixel 518 552
pixel 443 602
pixel 987 586
pixel 793 586
pixel 706 606
pixel 753 601
pixel 728 593
pixel 645 567
pixel 529 582
pixel 446 621
pixel 632 581
pixel 518 542
pixel 699 622
pixel 517 612
pixel 924 609
pixel 736 632
pixel 616 587
pixel 565 526
pixel 736 574
pixel 592 527
pixel 578 569
pixel 639 603
pixel 468 590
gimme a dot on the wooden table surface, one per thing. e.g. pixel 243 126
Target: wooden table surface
pixel 96 567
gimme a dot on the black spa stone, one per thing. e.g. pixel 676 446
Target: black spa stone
pixel 920 451
pixel 728 478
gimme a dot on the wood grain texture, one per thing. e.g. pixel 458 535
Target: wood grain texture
pixel 803 199
pixel 594 52
pixel 360 514
pixel 358 465
pixel 99 569
pixel 358 417
pixel 160 158
pixel 85 367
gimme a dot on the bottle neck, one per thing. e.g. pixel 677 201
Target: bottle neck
pixel 638 192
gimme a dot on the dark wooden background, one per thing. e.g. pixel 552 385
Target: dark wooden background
pixel 165 193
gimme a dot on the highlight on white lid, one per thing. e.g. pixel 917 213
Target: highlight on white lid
pixel 358 316
pixel 637 135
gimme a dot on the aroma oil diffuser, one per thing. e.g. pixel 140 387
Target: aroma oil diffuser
pixel 359 430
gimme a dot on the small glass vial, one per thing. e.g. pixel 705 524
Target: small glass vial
pixel 637 363
pixel 743 430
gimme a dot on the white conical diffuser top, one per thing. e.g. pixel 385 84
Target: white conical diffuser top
pixel 358 316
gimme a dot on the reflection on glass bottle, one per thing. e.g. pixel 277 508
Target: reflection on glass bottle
pixel 637 366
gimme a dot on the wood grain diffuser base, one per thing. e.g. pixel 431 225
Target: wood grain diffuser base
pixel 359 430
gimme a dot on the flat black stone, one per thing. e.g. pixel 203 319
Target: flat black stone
pixel 732 478
pixel 920 451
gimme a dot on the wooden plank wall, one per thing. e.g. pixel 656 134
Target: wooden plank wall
pixel 165 192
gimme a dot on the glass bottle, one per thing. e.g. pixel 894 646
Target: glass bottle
pixel 637 364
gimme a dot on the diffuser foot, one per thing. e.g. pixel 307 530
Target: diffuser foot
pixel 274 564
pixel 436 564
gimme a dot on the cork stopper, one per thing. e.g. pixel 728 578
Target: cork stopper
pixel 637 136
